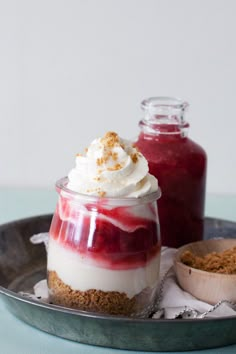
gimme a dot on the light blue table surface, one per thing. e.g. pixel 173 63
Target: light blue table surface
pixel 17 337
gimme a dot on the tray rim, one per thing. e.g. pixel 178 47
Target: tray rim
pixel 96 315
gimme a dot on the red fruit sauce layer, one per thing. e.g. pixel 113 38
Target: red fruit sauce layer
pixel 98 239
pixel 180 167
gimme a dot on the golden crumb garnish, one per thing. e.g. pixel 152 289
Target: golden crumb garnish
pixel 101 160
pixel 116 167
pixel 101 194
pixel 134 157
pixel 97 178
pixel 110 139
pixel 114 156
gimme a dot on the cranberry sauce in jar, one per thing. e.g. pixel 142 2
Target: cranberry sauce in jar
pixel 180 167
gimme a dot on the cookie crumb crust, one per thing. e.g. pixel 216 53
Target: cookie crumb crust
pixel 111 302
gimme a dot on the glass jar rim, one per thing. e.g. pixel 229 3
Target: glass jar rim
pixel 164 101
pixel 61 186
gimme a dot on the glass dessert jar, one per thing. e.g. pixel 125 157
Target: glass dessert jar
pixel 104 252
pixel 180 165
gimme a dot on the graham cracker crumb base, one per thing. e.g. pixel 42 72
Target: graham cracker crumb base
pixel 110 302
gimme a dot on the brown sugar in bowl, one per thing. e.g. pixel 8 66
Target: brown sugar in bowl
pixel 207 286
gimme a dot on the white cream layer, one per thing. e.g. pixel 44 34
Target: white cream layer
pixel 112 167
pixel 75 271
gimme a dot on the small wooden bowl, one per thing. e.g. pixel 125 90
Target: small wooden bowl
pixel 206 286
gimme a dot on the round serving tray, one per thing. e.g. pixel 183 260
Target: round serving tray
pixel 22 264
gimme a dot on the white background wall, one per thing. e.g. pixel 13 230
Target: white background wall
pixel 71 70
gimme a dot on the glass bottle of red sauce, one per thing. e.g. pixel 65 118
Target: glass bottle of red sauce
pixel 180 166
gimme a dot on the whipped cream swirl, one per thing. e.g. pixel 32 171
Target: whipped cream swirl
pixel 112 167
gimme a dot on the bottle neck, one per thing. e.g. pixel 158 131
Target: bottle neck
pixel 165 116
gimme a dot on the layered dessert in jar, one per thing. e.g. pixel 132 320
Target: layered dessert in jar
pixel 104 245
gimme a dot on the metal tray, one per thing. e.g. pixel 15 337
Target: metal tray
pixel 22 264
